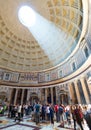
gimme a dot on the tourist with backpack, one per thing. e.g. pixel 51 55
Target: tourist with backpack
pixel 79 116
pixel 61 111
pixel 56 109
pixel 87 117
pixel 37 112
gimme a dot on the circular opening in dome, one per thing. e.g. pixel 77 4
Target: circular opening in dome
pixel 26 16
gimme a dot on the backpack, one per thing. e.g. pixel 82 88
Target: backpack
pixel 56 108
pixel 37 108
pixel 60 110
pixel 87 116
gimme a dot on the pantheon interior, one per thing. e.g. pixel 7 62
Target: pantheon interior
pixel 49 59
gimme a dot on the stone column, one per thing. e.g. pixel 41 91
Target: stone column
pixel 68 93
pixel 28 94
pixel 10 95
pixel 52 95
pixel 77 92
pixel 62 98
pixel 89 86
pixel 45 95
pixel 85 91
pixel 39 94
pixel 71 93
pixel 70 90
pixel 57 94
pixel 15 100
pixel 22 96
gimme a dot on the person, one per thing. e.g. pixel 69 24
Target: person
pixel 19 112
pixel 22 112
pixel 51 114
pixel 10 107
pixel 61 114
pixel 79 116
pixel 56 109
pixel 43 112
pixel 72 108
pixel 68 116
pixel 16 117
pixel 37 112
pixel 87 117
pixel 48 112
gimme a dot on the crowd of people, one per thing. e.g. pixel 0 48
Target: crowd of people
pixel 3 108
pixel 49 112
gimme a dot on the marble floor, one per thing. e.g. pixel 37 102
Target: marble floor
pixel 27 124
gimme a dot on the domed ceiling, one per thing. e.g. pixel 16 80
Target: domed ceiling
pixel 49 42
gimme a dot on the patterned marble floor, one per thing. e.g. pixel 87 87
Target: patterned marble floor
pixel 27 124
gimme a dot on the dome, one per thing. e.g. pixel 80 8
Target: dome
pixel 53 37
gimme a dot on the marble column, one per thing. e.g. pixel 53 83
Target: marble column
pixel 57 94
pixel 68 94
pixel 89 86
pixel 39 94
pixel 15 100
pixel 77 92
pixel 52 95
pixel 10 95
pixel 85 91
pixel 22 96
pixel 70 90
pixel 62 98
pixel 71 93
pixel 41 97
pixel 46 95
pixel 28 94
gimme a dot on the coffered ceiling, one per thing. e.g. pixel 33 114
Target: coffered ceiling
pixel 57 34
